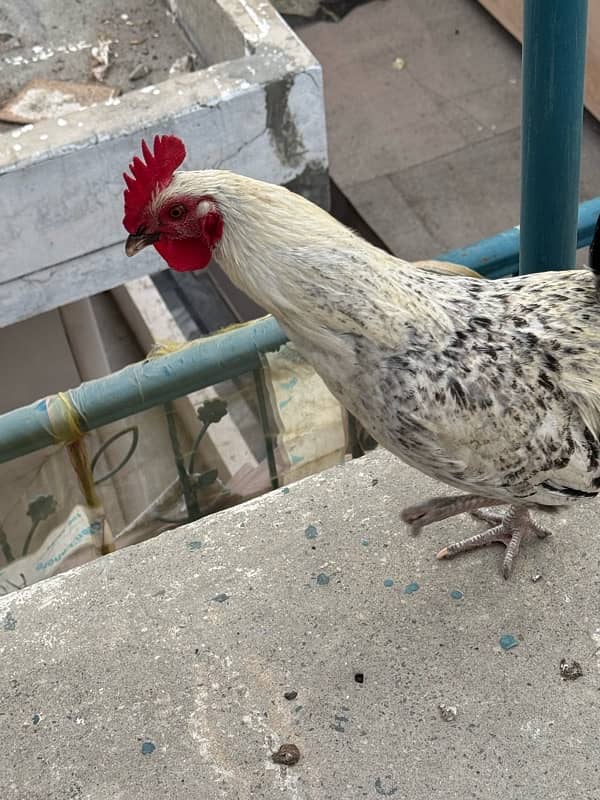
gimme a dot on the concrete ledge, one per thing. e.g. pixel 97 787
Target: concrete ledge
pixel 161 671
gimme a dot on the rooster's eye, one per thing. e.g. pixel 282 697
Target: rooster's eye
pixel 177 212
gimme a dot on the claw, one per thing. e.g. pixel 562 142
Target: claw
pixel 509 532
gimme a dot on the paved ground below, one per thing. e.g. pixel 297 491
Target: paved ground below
pixel 423 102
pixel 162 671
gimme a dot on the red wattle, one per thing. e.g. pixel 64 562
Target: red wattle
pixel 185 255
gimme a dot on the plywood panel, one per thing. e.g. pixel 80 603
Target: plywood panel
pixel 510 14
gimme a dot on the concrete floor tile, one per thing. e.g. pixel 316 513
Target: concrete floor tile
pixel 467 195
pixel 383 207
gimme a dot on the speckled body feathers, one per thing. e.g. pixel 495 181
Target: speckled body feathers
pixel 490 386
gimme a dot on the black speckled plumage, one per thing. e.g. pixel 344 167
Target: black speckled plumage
pixel 502 398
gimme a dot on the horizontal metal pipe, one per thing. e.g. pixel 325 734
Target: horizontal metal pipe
pixel 140 386
pixel 214 359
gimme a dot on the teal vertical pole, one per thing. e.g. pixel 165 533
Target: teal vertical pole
pixel 554 39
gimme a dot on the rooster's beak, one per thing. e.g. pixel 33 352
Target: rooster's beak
pixel 137 241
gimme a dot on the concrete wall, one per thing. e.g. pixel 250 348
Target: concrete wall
pixel 258 111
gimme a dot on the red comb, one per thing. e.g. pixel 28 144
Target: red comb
pixel 150 176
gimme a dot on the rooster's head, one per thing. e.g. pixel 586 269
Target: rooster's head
pixel 183 225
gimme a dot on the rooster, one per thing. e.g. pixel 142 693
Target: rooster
pixel 492 387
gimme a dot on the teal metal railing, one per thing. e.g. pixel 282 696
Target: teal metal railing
pixel 554 39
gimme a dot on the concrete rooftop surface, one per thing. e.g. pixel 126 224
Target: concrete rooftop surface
pixel 161 671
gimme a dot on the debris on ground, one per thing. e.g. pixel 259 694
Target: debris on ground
pixel 186 63
pixel 139 72
pixel 291 695
pixel 287 754
pixel 103 56
pixel 41 99
pixel 447 713
pixel 537 577
pixel 8 41
pixel 359 677
pixel 399 63
pixel 570 670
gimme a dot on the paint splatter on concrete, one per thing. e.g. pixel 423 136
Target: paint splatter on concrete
pixel 220 598
pixel 388 583
pixel 35 719
pixel 148 748
pixel 195 545
pixel 285 490
pixel 384 787
pixel 322 579
pixel 456 594
pixel 508 641
pixel 9 623
pixel 365 542
pixel 311 532
pixel 411 588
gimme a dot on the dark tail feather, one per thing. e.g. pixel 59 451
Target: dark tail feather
pixel 595 256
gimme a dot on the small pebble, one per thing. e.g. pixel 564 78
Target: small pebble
pixel 536 578
pixel 570 670
pixel 447 713
pixel 287 754
pixel 507 642
pixel 220 598
pixel 359 677
pixel 291 695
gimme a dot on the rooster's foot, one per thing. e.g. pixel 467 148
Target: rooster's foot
pixel 439 508
pixel 507 529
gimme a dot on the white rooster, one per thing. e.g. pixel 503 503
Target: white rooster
pixel 492 387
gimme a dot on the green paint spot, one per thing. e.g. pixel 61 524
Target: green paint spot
pixel 456 594
pixel 388 582
pixel 297 459
pixel 411 588
pixel 289 385
pixel 322 579
pixel 285 490
pixel 311 532
pixel 148 748
pixel 9 623
pixel 195 545
pixel 507 641
pixel 283 403
pixel 365 542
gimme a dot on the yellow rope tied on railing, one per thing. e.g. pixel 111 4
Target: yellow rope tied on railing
pixel 65 427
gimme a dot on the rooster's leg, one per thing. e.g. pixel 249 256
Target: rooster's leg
pixel 509 531
pixel 439 508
